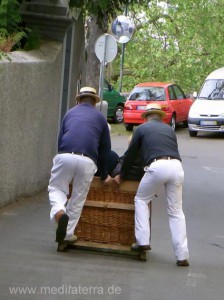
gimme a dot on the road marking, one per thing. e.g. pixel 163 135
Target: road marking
pixel 215 169
pixel 194 279
pixel 9 214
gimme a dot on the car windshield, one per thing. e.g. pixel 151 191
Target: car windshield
pixel 147 93
pixel 212 89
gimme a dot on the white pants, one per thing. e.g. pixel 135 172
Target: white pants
pixel 170 174
pixel 69 168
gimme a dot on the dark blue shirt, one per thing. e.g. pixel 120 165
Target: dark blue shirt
pixel 85 130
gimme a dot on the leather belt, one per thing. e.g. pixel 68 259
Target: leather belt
pixel 164 157
pixel 81 154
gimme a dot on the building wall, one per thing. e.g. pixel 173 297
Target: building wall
pixel 78 61
pixel 29 108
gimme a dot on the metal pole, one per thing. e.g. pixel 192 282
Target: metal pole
pixel 102 66
pixel 122 58
pixel 122 67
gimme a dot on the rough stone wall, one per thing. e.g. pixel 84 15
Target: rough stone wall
pixel 29 109
pixel 78 62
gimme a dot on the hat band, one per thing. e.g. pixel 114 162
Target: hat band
pixel 154 109
pixel 87 92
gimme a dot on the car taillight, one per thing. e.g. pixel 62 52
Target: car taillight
pixel 165 108
pixel 129 107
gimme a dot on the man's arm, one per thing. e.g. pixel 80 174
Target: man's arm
pixel 104 151
pixel 131 154
pixel 61 132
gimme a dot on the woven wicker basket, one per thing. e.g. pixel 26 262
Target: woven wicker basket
pixel 108 214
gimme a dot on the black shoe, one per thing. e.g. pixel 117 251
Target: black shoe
pixel 62 227
pixel 136 247
pixel 183 263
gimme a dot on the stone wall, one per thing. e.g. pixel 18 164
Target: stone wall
pixel 29 109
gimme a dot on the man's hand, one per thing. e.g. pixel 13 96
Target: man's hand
pixel 108 180
pixel 117 179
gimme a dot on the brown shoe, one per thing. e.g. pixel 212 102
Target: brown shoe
pixel 142 248
pixel 183 263
pixel 62 227
pixel 64 245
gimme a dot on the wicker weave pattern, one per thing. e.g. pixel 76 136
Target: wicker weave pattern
pixel 106 224
pixel 108 195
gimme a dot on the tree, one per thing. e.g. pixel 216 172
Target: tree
pixel 98 14
pixel 181 41
pixel 175 40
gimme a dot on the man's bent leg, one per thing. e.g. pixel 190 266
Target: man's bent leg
pixel 85 170
pixel 61 174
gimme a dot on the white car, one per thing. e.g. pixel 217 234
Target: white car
pixel 207 112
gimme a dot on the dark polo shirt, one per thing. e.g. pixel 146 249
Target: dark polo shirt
pixel 154 139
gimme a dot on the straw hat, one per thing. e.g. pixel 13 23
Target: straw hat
pixel 87 91
pixel 153 108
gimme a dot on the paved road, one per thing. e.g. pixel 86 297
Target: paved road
pixel 28 257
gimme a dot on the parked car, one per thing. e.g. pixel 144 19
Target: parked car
pixel 169 95
pixel 207 112
pixel 115 102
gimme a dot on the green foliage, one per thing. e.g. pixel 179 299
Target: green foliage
pixel 10 31
pixel 103 8
pixel 182 43
pixel 33 40
pixel 4 55
pixel 9 16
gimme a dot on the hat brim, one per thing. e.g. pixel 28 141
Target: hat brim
pixel 154 111
pixel 97 98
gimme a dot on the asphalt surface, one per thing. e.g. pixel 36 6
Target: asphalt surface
pixel 30 267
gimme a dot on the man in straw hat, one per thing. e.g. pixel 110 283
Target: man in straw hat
pixel 83 140
pixel 158 145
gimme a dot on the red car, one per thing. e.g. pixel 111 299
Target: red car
pixel 169 95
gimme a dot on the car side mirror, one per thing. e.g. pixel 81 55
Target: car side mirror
pixel 195 94
pixel 110 88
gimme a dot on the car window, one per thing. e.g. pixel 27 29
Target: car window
pixel 212 89
pixel 171 93
pixel 106 85
pixel 147 93
pixel 179 93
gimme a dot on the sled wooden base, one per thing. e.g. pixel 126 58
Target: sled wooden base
pixel 107 220
pixel 106 248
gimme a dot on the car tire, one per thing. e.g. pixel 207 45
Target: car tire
pixel 129 127
pixel 185 123
pixel 118 115
pixel 192 133
pixel 173 122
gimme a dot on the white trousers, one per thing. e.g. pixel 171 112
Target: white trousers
pixel 170 174
pixel 69 168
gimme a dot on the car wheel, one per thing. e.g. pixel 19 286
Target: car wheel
pixel 129 127
pixel 173 122
pixel 192 133
pixel 185 123
pixel 118 115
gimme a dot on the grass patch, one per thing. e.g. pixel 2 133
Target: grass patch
pixel 119 129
